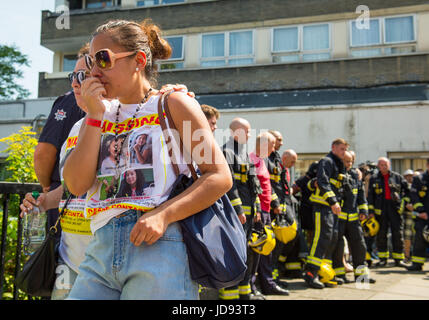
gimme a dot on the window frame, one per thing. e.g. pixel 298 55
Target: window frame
pixel 301 52
pixel 226 57
pixel 174 60
pixel 382 32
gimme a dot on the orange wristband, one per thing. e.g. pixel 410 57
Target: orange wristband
pixel 93 122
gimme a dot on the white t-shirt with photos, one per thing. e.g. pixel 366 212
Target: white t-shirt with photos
pixel 131 185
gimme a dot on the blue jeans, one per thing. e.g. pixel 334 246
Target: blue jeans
pixel 114 268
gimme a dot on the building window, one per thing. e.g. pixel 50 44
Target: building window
pixel 229 48
pixel 301 43
pixel 176 60
pixel 97 4
pixel 388 35
pixel 69 62
pixel 146 3
pixel 402 161
pixel 303 163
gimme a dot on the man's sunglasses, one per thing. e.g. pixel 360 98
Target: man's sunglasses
pixel 79 76
pixel 105 59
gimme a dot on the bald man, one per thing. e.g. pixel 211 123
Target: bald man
pixel 387 189
pixel 243 196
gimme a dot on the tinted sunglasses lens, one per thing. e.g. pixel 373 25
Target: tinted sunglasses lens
pixel 103 59
pixel 71 77
pixel 89 62
pixel 80 76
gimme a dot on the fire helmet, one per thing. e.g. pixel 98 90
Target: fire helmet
pixel 370 227
pixel 263 242
pixel 284 230
pixel 326 273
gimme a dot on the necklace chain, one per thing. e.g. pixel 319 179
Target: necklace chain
pixel 129 126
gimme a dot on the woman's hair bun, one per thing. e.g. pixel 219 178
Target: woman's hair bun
pixel 159 47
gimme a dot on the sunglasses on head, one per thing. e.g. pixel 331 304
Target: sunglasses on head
pixel 105 58
pixel 79 76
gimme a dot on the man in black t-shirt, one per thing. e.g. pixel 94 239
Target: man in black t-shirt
pixel 64 114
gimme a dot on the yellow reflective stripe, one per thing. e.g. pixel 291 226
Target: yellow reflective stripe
pixel 415 259
pixel 275 274
pixel 316 234
pixel 293 266
pixel 340 271
pixel 257 200
pixel 335 182
pixel 314 198
pixel 309 186
pixel 398 255
pixel 355 191
pixel 274 197
pixel 370 206
pixel 244 289
pixel 240 177
pixel 363 207
pixel 361 271
pixel 353 217
pixel 228 294
pixel 377 211
pixel 275 177
pixel 236 202
pixel 282 258
pixel 342 216
pixel 247 210
pixel 328 194
pixel 327 261
pixel 383 254
pixel 417 205
pixel 313 260
pixel 407 199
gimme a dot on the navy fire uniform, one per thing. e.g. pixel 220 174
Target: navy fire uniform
pixel 385 196
pixel 420 200
pixel 330 172
pixel 286 253
pixel 353 204
pixel 244 198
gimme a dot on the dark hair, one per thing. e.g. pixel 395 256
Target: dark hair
pixel 144 36
pixel 210 111
pixel 339 141
pixel 125 188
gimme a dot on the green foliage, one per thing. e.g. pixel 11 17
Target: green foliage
pixel 11 59
pixel 20 168
pixel 19 162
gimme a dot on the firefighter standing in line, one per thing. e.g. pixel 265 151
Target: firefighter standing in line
pixel 353 205
pixel 302 187
pixel 265 143
pixel 326 208
pixel 244 199
pixel 408 218
pixel 420 199
pixel 385 194
pixel 291 251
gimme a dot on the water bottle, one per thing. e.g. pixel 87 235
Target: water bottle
pixel 34 228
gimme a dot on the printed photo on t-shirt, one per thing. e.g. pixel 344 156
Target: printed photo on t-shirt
pixel 140 148
pixel 108 187
pixel 106 162
pixel 136 183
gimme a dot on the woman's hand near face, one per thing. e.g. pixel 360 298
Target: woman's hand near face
pixel 92 92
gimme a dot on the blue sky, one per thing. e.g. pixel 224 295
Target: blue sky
pixel 20 23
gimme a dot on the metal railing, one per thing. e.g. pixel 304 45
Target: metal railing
pixel 6 190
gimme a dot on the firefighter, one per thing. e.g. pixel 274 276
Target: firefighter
pixel 305 212
pixel 353 205
pixel 408 217
pixel 420 200
pixel 385 194
pixel 265 143
pixel 244 198
pixel 326 208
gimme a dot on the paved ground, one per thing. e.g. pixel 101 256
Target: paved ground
pixel 393 283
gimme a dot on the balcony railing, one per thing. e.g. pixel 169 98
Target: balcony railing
pixel 6 190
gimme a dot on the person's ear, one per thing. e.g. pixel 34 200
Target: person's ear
pixel 141 60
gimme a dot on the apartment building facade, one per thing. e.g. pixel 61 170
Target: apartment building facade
pixel 312 69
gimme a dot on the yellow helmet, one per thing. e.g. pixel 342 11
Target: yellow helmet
pixel 326 273
pixel 370 227
pixel 284 230
pixel 263 242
